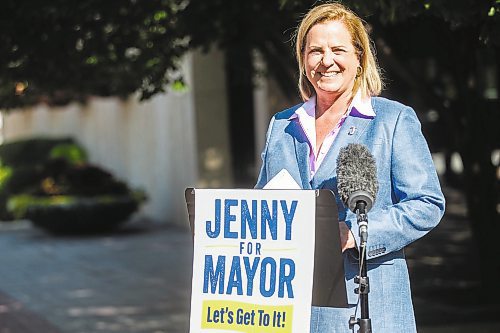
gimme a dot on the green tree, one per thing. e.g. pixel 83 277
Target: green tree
pixel 63 50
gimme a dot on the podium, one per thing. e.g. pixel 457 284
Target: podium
pixel 329 289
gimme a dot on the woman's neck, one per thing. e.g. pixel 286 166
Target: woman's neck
pixel 332 105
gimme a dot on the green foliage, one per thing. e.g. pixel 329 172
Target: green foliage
pixel 73 214
pixel 49 180
pixel 455 14
pixel 18 205
pixel 22 164
pixel 65 50
pixel 26 152
pixel 60 177
pixel 72 153
pixel 461 14
pixel 5 175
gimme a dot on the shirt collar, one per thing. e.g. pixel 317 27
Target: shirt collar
pixel 359 107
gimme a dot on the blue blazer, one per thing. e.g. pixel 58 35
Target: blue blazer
pixel 409 204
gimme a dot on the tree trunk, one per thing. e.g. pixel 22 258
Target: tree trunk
pixel 481 187
pixel 239 69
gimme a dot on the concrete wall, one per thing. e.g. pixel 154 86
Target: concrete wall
pixel 212 120
pixel 150 145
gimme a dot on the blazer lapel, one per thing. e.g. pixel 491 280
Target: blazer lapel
pixel 302 151
pixel 350 132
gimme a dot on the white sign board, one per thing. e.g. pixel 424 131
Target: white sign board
pixel 253 261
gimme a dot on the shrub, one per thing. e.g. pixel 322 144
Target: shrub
pixel 32 151
pixel 73 214
pixel 49 182
pixel 22 163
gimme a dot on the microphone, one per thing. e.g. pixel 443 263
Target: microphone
pixel 357 182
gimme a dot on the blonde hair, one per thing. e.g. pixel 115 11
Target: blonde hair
pixel 369 80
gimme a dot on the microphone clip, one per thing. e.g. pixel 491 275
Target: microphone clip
pixel 362 219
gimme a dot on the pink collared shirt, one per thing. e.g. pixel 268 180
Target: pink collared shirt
pixel 307 119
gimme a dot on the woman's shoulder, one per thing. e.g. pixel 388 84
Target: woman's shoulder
pixel 387 108
pixel 386 104
pixel 280 120
pixel 287 113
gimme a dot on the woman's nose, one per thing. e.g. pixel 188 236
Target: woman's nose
pixel 328 58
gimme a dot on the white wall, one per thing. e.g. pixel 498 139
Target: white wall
pixel 151 145
pixel 212 120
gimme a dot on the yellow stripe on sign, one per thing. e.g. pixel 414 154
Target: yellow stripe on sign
pixel 246 317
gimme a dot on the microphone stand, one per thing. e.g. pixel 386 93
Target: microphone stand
pixel 364 323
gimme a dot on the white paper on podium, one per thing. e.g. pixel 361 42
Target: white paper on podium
pixel 282 181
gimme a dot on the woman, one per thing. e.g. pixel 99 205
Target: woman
pixel 339 81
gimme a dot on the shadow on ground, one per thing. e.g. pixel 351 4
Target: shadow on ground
pixel 444 271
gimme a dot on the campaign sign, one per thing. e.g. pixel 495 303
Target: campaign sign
pixel 253 261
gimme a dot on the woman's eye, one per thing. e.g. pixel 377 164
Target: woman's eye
pixel 339 51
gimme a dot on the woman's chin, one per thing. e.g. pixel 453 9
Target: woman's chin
pixel 329 90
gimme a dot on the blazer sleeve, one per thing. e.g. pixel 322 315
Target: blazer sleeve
pixel 417 201
pixel 262 179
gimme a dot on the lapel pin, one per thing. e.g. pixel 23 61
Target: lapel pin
pixel 352 130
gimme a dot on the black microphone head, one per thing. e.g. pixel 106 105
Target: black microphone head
pixel 356 176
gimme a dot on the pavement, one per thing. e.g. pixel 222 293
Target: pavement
pixel 138 279
pixel 134 280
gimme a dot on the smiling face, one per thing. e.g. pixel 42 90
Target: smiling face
pixel 330 60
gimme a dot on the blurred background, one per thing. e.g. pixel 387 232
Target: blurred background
pixel 110 109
